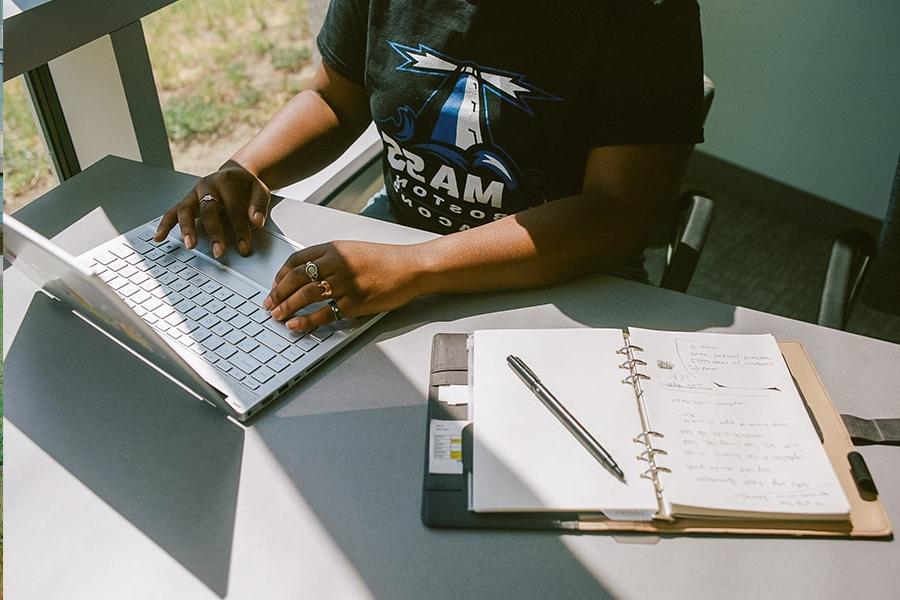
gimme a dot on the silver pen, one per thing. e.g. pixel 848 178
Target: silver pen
pixel 533 383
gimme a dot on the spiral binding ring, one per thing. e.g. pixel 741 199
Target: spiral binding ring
pixel 624 349
pixel 644 437
pixel 629 364
pixel 646 454
pixel 631 379
pixel 652 472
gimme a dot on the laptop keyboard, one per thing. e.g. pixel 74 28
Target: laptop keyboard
pixel 213 313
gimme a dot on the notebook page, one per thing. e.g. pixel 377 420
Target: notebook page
pixel 739 439
pixel 524 459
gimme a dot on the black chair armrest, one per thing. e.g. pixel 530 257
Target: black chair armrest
pixel 850 255
pixel 693 217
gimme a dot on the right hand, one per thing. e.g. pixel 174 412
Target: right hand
pixel 238 195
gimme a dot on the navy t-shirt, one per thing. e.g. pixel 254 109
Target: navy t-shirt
pixel 488 108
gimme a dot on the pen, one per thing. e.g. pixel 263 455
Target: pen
pixel 533 383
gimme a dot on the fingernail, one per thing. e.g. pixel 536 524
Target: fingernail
pixel 217 249
pixel 244 246
pixel 277 312
pixel 267 303
pixel 259 219
pixel 293 324
pixel 188 241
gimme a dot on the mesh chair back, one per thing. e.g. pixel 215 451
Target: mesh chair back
pixel 882 287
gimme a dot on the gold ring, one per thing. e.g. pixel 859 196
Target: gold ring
pixel 325 287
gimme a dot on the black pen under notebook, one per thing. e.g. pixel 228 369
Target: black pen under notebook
pixel 533 383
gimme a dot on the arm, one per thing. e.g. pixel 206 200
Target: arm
pixel 625 190
pixel 308 133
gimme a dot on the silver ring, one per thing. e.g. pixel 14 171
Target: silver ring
pixel 312 271
pixel 336 310
pixel 208 198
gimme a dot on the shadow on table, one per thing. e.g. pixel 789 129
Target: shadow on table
pixel 169 464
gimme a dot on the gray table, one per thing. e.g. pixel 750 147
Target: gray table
pixel 118 485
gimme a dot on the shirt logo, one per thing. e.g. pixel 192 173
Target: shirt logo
pixel 444 161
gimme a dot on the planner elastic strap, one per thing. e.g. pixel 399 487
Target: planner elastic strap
pixel 865 432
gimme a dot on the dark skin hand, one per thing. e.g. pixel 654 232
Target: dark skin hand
pixel 625 189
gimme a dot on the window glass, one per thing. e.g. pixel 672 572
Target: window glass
pixel 222 69
pixel 27 168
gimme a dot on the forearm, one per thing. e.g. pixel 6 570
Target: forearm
pixel 553 242
pixel 303 137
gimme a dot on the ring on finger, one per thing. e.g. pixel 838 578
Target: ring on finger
pixel 336 310
pixel 207 198
pixel 312 271
pixel 325 287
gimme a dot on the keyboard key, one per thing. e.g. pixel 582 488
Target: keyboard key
pixel 252 329
pixel 104 258
pixel 134 259
pixel 140 245
pixel 246 309
pixel 226 350
pixel 188 326
pixel 234 301
pixel 293 354
pixel 223 294
pixel 155 271
pixel 121 251
pixel 163 311
pixel 239 321
pixel 154 254
pixel 200 334
pixel 175 319
pixel 278 364
pixel 169 246
pixel 248 344
pixel 140 311
pixel 307 343
pixel 263 374
pixel 281 330
pixel 117 282
pixel 323 333
pixel 214 306
pixel 191 292
pixel 159 291
pixel 212 342
pixel 198 278
pixel 202 299
pixel 184 305
pixel 179 284
pixel 117 265
pixel 258 315
pixel 228 313
pixel 141 296
pixel 150 285
pixel 223 366
pixel 211 287
pixel 198 349
pixel 244 363
pixel 177 267
pixel 130 303
pixel 161 325
pixel 272 341
pixel 220 329
pixel 250 383
pixel 182 255
pixel 262 354
pixel 107 276
pixel 234 337
pixel 139 278
pixel 209 321
pixel 173 333
pixel 127 271
pixel 196 313
pixel 165 260
pixel 128 289
pixel 151 303
pixel 167 278
pixel 150 318
pixel 146 234
pixel 233 283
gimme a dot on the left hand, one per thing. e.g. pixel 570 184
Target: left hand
pixel 365 278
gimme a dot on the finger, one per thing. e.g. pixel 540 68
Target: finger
pixel 210 214
pixel 303 297
pixel 239 222
pixel 171 217
pixel 314 320
pixel 187 216
pixel 294 280
pixel 299 259
pixel 259 205
pixel 166 224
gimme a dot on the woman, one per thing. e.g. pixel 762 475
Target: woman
pixel 545 142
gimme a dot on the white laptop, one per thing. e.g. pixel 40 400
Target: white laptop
pixel 197 319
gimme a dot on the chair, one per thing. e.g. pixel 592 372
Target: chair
pixel 860 268
pixel 692 216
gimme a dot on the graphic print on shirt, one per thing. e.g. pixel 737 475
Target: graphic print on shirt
pixel 444 161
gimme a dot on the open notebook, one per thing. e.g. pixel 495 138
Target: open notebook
pixel 703 425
